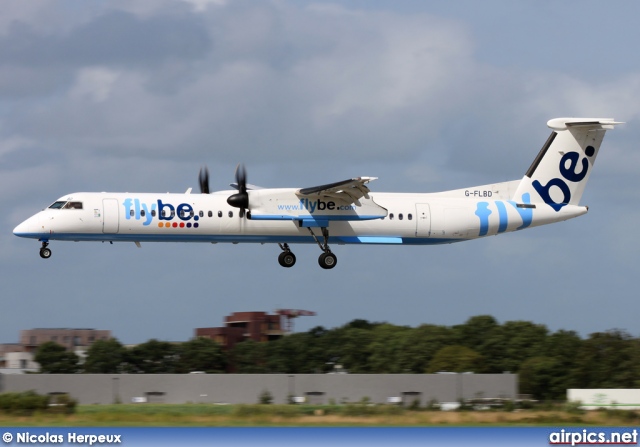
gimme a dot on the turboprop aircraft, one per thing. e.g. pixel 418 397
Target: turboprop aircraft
pixel 345 212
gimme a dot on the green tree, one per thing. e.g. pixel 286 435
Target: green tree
pixel 354 350
pixel 475 331
pixel 419 345
pixel 105 357
pixel 248 357
pixel 522 340
pixel 152 357
pixel 455 358
pixel 607 360
pixel 55 359
pixel 359 323
pixel 385 349
pixel 314 350
pixel 484 335
pixel 541 377
pixel 563 346
pixel 201 354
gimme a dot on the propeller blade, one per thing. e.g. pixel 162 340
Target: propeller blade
pixel 203 178
pixel 241 178
pixel 241 199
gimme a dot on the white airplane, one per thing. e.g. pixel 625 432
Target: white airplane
pixel 345 212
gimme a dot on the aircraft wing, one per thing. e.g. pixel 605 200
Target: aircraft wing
pixel 249 186
pixel 350 190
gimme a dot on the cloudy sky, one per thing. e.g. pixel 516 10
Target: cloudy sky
pixel 427 96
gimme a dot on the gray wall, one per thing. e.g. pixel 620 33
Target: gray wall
pixel 246 388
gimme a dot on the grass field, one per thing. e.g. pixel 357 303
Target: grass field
pixel 201 415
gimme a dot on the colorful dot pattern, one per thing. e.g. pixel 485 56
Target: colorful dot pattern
pixel 180 225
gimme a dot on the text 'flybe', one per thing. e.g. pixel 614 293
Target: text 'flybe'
pixel 138 210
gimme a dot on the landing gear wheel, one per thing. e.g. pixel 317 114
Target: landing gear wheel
pixel 45 253
pixel 327 260
pixel 287 259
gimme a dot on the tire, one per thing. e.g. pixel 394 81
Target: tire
pixel 287 259
pixel 45 253
pixel 327 260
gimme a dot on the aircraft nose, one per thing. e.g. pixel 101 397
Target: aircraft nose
pixel 28 228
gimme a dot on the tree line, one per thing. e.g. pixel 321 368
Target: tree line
pixel 548 363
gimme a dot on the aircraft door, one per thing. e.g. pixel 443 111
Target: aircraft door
pixel 110 216
pixel 423 220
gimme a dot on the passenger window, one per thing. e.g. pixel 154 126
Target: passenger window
pixel 409 216
pixel 153 213
pixel 400 216
pixel 210 214
pixel 230 213
pixel 219 213
pixel 131 213
pixel 181 213
pixel 391 216
pixel 201 214
pixel 164 213
pixel 142 213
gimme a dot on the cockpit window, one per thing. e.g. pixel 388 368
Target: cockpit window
pixel 57 205
pixel 73 206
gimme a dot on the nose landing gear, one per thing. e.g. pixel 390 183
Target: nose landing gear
pixel 45 253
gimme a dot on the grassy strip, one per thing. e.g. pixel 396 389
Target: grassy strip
pixel 202 415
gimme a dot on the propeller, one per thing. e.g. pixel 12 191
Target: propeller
pixel 241 198
pixel 203 178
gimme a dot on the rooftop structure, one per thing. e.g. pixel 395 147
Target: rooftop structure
pixel 241 326
pixel 69 338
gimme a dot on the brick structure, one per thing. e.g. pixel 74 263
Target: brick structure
pixel 241 326
pixel 69 338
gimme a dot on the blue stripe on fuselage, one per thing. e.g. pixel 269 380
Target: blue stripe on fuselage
pixel 365 240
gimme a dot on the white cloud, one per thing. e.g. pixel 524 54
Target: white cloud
pixel 202 5
pixel 298 91
pixel 95 83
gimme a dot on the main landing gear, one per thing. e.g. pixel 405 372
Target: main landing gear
pixel 45 253
pixel 287 258
pixel 327 260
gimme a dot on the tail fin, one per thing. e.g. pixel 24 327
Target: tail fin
pixel 560 172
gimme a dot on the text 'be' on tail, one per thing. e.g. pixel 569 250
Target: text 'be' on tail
pixel 560 172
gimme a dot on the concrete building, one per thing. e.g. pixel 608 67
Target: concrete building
pixel 246 388
pixel 16 358
pixel 21 361
pixel 8 348
pixel 611 398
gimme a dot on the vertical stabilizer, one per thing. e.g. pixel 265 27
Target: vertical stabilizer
pixel 560 172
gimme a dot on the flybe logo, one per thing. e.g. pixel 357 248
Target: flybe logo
pixel 316 205
pixel 165 212
pixel 569 171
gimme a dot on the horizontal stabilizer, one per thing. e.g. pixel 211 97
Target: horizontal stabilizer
pixel 565 123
